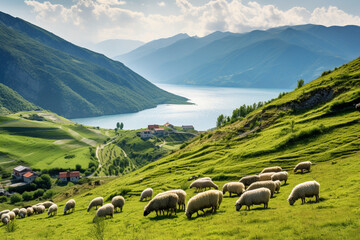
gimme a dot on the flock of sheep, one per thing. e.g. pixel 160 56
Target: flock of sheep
pixel 253 190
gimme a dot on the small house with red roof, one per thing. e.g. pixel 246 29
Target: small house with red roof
pixel 69 176
pixel 159 131
pixel 29 177
pixel 152 127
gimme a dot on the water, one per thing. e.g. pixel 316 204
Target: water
pixel 209 103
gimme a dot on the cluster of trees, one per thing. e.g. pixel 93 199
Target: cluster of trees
pixel 119 126
pixel 43 182
pixel 27 196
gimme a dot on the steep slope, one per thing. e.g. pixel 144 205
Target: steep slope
pixel 71 81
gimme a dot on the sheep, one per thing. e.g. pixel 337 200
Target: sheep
pixel 104 211
pixel 305 189
pixel 254 197
pixel 52 210
pixel 205 178
pixel 47 204
pixel 234 187
pixel 16 211
pixel 182 197
pixel 278 185
pixel 5 218
pixel 271 169
pixel 248 180
pixel 29 211
pixel 209 199
pixel 303 166
pixel 281 176
pixel 22 213
pixel 147 193
pixel 203 183
pixel 69 205
pixel 99 201
pixel 162 202
pixel 4 211
pixel 265 176
pixel 39 209
pixel 12 215
pixel 263 184
pixel 118 202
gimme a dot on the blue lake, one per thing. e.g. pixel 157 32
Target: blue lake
pixel 209 103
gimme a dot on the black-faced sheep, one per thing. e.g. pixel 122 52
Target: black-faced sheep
pixel 248 180
pixel 265 176
pixel 209 199
pixel 234 187
pixel 70 205
pixel 52 210
pixel 303 166
pixel 263 184
pixel 182 197
pixel 5 218
pixel 99 201
pixel 271 169
pixel 162 202
pixel 200 184
pixel 281 176
pixel 254 197
pixel 303 190
pixel 147 193
pixel 22 213
pixel 104 211
pixel 118 202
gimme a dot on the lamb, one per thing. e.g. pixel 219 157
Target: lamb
pixel 118 202
pixel 254 197
pixel 303 166
pixel 16 211
pixel 162 202
pixel 99 201
pixel 271 169
pixel 47 204
pixel 209 199
pixel 70 205
pixel 248 180
pixel 5 218
pixel 281 176
pixel 278 185
pixel 234 187
pixel 29 211
pixel 182 197
pixel 203 183
pixel 265 176
pixel 104 211
pixel 305 189
pixel 12 215
pixel 4 211
pixel 52 210
pixel 22 213
pixel 147 193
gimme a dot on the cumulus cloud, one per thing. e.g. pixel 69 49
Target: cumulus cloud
pixel 96 20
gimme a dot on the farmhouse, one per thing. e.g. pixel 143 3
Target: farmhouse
pixel 29 177
pixel 69 176
pixel 169 125
pixel 152 127
pixel 184 127
pixel 146 134
pixel 159 131
pixel 19 171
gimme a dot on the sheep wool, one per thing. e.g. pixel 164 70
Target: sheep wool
pixel 29 211
pixel 147 193
pixel 162 202
pixel 5 218
pixel 104 211
pixel 209 199
pixel 99 201
pixel 303 166
pixel 40 209
pixel 278 185
pixel 263 184
pixel 47 204
pixel 248 180
pixel 12 215
pixel 254 197
pixel 265 176
pixel 22 213
pixel 118 202
pixel 234 187
pixel 271 169
pixel 305 189
pixel 16 211
pixel 70 205
pixel 200 184
pixel 52 210
pixel 181 194
pixel 4 211
pixel 281 176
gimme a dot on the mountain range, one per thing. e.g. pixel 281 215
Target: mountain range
pixel 275 58
pixel 114 47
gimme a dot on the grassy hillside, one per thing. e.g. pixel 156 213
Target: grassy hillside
pixel 317 122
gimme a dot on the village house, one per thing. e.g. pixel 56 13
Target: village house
pixel 152 127
pixel 29 177
pixel 169 125
pixel 184 127
pixel 19 171
pixel 146 134
pixel 159 131
pixel 69 176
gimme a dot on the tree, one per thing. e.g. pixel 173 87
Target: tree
pixel 220 121
pixel 300 83
pixel 78 167
pixel 117 125
pixel 16 197
pixel 121 126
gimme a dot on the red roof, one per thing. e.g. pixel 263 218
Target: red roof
pixel 153 126
pixel 69 174
pixel 159 129
pixel 28 174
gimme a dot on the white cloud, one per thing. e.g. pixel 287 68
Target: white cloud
pixel 96 20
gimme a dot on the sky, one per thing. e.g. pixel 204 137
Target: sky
pixel 84 22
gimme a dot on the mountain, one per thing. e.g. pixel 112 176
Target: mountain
pixel 68 80
pixel 114 47
pixel 275 58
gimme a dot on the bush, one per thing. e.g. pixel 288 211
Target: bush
pixel 39 193
pixel 16 197
pixel 3 199
pixel 300 83
pixel 27 196
pixel 48 194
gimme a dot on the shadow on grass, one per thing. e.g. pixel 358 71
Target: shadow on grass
pixel 158 218
pixel 201 214
pixel 301 173
pixel 232 196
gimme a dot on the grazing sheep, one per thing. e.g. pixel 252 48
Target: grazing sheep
pixel 70 205
pixel 47 204
pixel 254 197
pixel 278 185
pixel 263 184
pixel 16 211
pixel 162 202
pixel 265 176
pixel 205 178
pixel 29 211
pixel 5 218
pixel 40 209
pixel 22 213
pixel 209 199
pixel 305 189
pixel 4 211
pixel 99 201
pixel 147 193
pixel 234 187
pixel 104 211
pixel 118 202
pixel 52 210
pixel 281 176
pixel 303 166
pixel 271 169
pixel 248 180
pixel 203 183
pixel 182 197
pixel 12 215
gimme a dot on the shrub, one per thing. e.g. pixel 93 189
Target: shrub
pixel 16 197
pixel 48 194
pixel 300 83
pixel 27 196
pixel 39 193
pixel 11 226
pixel 3 199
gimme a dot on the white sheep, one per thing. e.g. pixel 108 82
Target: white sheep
pixel 4 211
pixel 263 184
pixel 29 211
pixel 40 209
pixel 247 180
pixel 234 187
pixel 278 185
pixel 5 218
pixel 271 169
pixel 265 176
pixel 104 211
pixel 181 194
pixel 147 193
pixel 99 201
pixel 162 202
pixel 200 184
pixel 52 210
pixel 16 211
pixel 254 197
pixel 12 215
pixel 305 189
pixel 303 166
pixel 22 213
pixel 47 204
pixel 209 199
pixel 118 202
pixel 69 205
pixel 281 176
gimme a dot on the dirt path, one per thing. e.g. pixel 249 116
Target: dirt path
pixel 98 149
pixel 7 162
pixel 162 143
